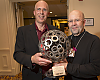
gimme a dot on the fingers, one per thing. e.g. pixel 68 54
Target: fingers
pixel 65 60
pixel 45 60
pixel 39 54
pixel 41 61
pixel 55 64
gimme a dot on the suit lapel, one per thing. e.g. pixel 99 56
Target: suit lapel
pixel 33 34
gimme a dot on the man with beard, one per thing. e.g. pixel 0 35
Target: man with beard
pixel 84 61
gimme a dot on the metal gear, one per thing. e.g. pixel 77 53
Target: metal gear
pixel 54 45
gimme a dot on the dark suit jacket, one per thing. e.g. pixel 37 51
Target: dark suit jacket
pixel 26 46
pixel 86 63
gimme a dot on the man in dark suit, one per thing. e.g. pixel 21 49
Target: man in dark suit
pixel 84 64
pixel 27 39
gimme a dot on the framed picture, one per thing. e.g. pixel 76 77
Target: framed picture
pixel 89 22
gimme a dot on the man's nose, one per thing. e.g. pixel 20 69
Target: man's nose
pixel 41 12
pixel 74 22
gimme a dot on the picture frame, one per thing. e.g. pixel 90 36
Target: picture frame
pixel 89 22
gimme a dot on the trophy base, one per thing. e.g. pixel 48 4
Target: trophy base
pixel 55 72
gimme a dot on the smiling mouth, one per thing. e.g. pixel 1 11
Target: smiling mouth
pixel 74 28
pixel 41 17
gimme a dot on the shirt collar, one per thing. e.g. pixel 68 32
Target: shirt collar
pixel 46 27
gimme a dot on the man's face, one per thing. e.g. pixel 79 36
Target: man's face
pixel 76 23
pixel 41 12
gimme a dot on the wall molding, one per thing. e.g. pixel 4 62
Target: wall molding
pixel 5 60
pixel 2 49
pixel 5 71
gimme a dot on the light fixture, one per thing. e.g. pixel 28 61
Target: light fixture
pixel 55 15
pixel 50 12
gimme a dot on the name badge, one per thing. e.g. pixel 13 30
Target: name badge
pixel 58 70
pixel 72 52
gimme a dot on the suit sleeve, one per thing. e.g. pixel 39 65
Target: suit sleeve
pixel 91 69
pixel 20 54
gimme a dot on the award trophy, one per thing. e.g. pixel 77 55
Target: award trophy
pixel 55 46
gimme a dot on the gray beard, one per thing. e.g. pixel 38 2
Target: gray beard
pixel 76 34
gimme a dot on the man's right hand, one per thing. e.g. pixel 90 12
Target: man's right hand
pixel 40 61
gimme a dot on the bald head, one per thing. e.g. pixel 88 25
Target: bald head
pixel 41 2
pixel 78 13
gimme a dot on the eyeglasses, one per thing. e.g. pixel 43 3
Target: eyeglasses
pixel 76 20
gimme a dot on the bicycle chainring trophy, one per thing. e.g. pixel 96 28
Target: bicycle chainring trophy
pixel 55 46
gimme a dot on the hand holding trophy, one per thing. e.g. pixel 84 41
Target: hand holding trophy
pixel 55 46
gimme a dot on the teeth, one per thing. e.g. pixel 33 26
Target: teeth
pixel 41 16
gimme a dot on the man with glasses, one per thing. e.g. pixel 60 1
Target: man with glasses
pixel 26 48
pixel 84 61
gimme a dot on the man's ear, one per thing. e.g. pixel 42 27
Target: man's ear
pixel 34 13
pixel 84 22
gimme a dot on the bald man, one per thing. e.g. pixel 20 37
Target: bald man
pixel 84 63
pixel 26 48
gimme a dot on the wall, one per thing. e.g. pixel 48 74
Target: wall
pixel 91 10
pixel 7 38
